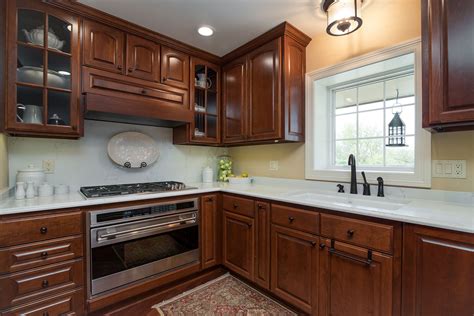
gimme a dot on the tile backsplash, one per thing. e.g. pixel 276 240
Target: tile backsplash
pixel 85 161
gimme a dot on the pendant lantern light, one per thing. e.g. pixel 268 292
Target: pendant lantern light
pixel 343 16
pixel 396 128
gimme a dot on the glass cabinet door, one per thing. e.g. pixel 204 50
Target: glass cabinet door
pixel 205 98
pixel 46 48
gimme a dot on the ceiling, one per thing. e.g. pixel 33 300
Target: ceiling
pixel 235 21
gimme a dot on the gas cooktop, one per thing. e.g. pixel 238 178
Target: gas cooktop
pixel 132 188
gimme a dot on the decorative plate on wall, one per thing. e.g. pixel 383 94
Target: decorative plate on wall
pixel 132 150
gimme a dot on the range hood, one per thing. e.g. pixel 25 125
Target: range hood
pixel 139 112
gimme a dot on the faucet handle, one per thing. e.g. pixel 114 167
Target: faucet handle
pixel 341 188
pixel 380 187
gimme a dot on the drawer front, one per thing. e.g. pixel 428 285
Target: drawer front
pixel 71 303
pixel 23 287
pixel 290 217
pixel 239 205
pixel 99 82
pixel 367 234
pixel 37 228
pixel 28 256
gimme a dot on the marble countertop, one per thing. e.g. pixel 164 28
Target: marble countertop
pixel 435 213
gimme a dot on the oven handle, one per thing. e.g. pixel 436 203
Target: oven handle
pixel 147 228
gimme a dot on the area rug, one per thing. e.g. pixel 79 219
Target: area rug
pixel 225 295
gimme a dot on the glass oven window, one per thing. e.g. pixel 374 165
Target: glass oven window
pixel 110 259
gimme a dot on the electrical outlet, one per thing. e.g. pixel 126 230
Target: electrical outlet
pixel 449 169
pixel 273 165
pixel 48 166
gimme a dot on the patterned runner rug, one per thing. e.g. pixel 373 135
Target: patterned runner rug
pixel 225 295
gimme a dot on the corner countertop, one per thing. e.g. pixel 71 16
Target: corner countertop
pixel 435 213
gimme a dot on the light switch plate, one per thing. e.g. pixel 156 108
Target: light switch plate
pixel 449 169
pixel 273 165
pixel 48 166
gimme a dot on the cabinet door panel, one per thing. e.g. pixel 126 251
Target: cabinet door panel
pixel 262 261
pixel 351 287
pixel 264 86
pixel 210 240
pixel 239 238
pixel 438 274
pixel 174 68
pixel 103 46
pixel 143 58
pixel 295 257
pixel 448 61
pixel 234 102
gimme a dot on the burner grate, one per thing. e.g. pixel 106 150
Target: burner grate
pixel 132 188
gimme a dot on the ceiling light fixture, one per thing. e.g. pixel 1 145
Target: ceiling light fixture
pixel 205 31
pixel 343 16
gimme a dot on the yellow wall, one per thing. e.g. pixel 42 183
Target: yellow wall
pixel 3 162
pixel 386 23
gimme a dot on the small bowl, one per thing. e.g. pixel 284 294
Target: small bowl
pixel 240 180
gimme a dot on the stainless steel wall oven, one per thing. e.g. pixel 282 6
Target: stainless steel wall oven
pixel 131 243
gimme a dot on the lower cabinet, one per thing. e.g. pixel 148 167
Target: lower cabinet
pixel 294 266
pixel 210 241
pixel 354 281
pixel 239 244
pixel 438 272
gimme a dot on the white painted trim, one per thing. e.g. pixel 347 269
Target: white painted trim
pixel 421 177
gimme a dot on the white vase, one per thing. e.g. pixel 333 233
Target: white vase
pixel 30 190
pixel 20 191
pixel 207 175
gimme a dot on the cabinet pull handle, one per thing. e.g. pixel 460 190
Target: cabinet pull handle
pixel 350 233
pixel 291 219
pixel 341 254
pixel 43 230
pixel 44 284
pixel 44 255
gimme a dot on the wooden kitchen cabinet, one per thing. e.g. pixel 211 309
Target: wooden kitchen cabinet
pixel 103 46
pixel 448 70
pixel 210 231
pixel 174 68
pixel 262 248
pixel 263 89
pixel 143 58
pixel 437 270
pixel 294 266
pixel 239 244
pixel 354 281
pixel 42 90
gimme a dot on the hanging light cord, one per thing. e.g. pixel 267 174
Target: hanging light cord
pixel 396 103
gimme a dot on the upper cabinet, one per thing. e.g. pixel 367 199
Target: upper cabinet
pixel 174 68
pixel 448 67
pixel 42 90
pixel 263 89
pixel 143 58
pixel 103 46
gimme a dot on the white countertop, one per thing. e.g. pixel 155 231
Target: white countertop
pixel 435 213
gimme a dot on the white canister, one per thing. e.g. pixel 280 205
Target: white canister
pixel 30 190
pixel 207 175
pixel 33 174
pixel 45 189
pixel 20 191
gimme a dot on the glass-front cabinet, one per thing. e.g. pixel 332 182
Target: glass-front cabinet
pixel 205 102
pixel 43 77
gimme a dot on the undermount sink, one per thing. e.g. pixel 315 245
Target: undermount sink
pixel 346 200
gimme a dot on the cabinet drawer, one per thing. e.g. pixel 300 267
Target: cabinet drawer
pixel 28 256
pixel 23 287
pixel 290 217
pixel 31 229
pixel 71 303
pixel 239 205
pixel 367 234
pixel 103 83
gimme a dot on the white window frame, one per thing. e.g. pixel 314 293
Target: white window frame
pixel 322 170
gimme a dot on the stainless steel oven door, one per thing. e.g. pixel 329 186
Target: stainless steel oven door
pixel 125 253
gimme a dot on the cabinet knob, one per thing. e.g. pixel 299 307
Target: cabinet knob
pixel 236 205
pixel 261 206
pixel 209 199
pixel 350 233
pixel 322 246
pixel 130 69
pixel 45 314
pixel 119 67
pixel 44 284
pixel 44 255
pixel 164 79
pixel 143 91
pixel 313 244
pixel 249 225
pixel 43 230
pixel 291 219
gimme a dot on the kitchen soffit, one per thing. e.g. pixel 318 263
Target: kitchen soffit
pixel 235 21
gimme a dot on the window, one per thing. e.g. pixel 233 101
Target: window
pixel 349 108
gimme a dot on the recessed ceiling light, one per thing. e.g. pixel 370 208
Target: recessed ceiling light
pixel 205 31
